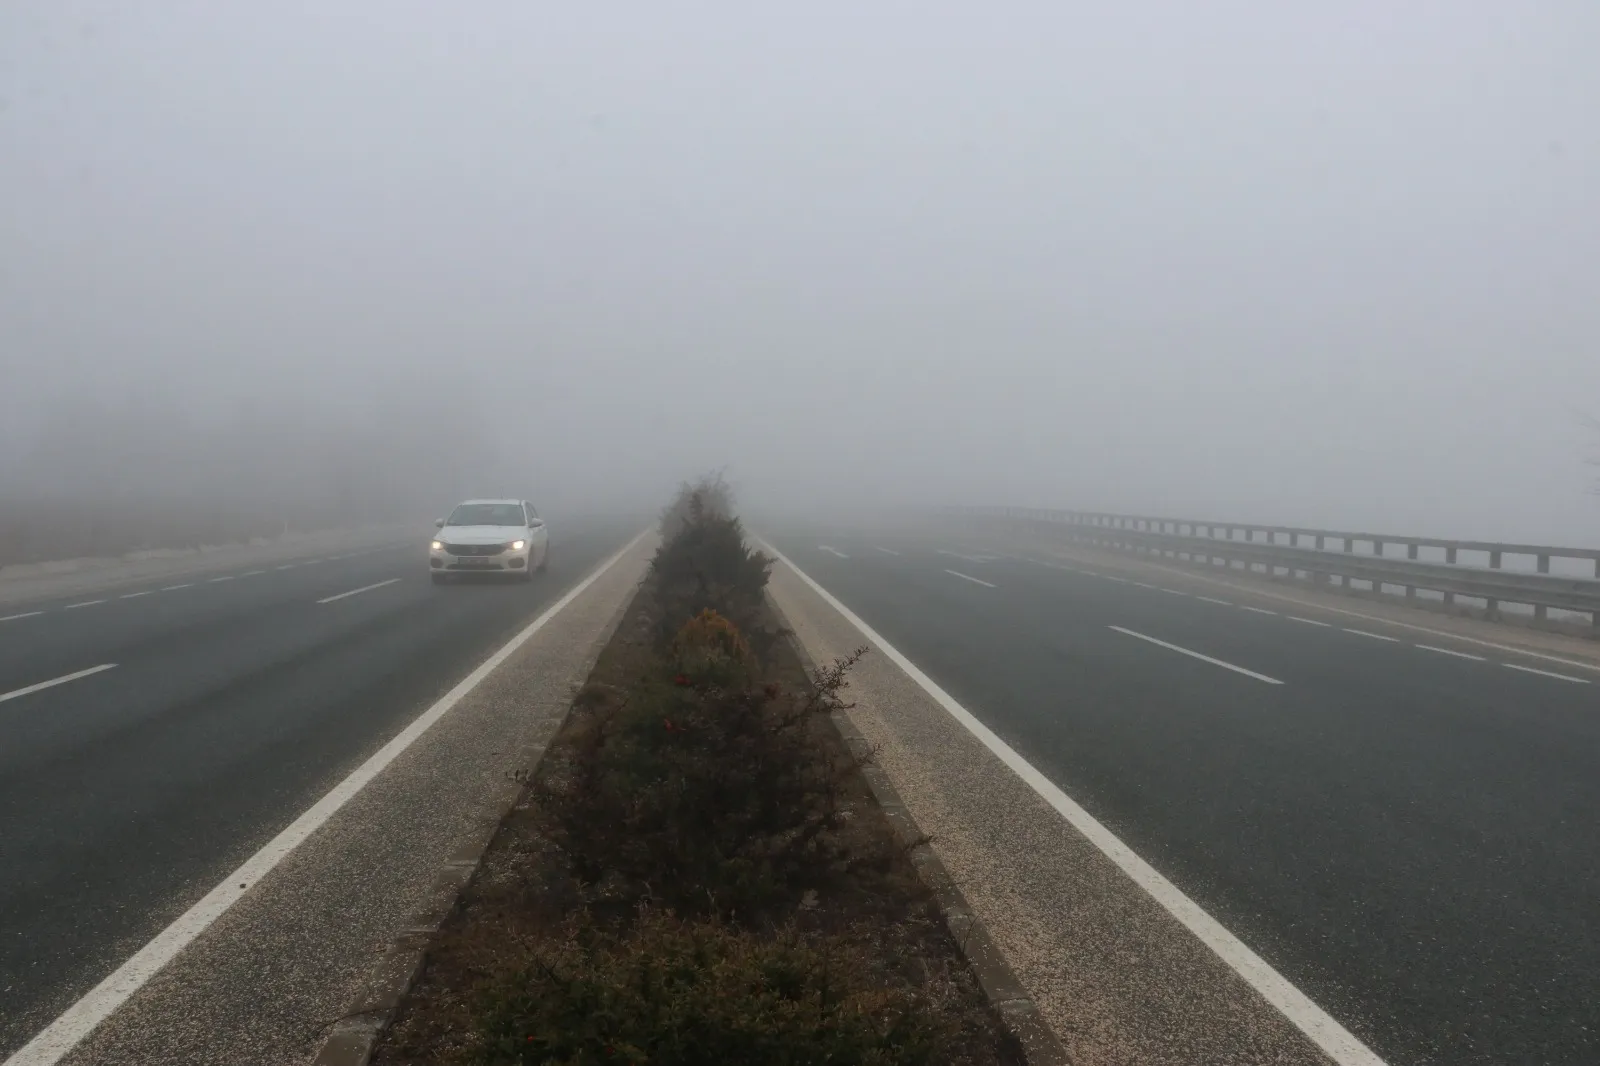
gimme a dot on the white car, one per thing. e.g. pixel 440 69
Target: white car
pixel 490 537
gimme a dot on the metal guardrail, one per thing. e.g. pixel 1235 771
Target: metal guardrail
pixel 1306 554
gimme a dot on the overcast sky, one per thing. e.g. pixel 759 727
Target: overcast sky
pixel 1323 263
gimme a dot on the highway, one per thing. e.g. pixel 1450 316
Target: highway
pixel 1402 825
pixel 152 737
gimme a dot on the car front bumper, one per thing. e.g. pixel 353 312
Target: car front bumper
pixel 505 562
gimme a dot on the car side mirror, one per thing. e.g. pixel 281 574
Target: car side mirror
pixel 535 523
pixel 438 523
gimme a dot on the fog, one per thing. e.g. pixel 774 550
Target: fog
pixel 1324 264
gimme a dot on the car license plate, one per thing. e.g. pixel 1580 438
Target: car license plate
pixel 475 561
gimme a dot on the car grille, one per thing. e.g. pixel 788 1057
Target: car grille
pixel 474 549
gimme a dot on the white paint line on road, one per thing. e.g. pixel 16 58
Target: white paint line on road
pixel 974 580
pixel 1546 673
pixel 24 614
pixel 288 566
pixel 53 682
pixel 1372 636
pixel 1174 592
pixel 888 551
pixel 80 1019
pixel 225 577
pixel 1308 621
pixel 313 562
pixel 1337 1042
pixel 1449 651
pixel 834 551
pixel 252 573
pixel 1213 599
pixel 1380 620
pixel 175 588
pixel 1197 655
pixel 134 595
pixel 359 591
pixel 85 603
pixel 1257 610
pixel 1142 585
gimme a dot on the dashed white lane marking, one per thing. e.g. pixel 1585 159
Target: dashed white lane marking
pixel 832 551
pixel 80 1019
pixel 134 595
pixel 1257 610
pixel 85 603
pixel 1308 621
pixel 1142 585
pixel 225 577
pixel 1546 673
pixel 1372 636
pixel 53 682
pixel 288 566
pixel 1334 1040
pixel 175 588
pixel 24 614
pixel 1450 651
pixel 359 591
pixel 252 573
pixel 974 580
pixel 888 551
pixel 1213 599
pixel 1174 592
pixel 1197 655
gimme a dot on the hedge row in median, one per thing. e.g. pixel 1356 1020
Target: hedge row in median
pixel 697 873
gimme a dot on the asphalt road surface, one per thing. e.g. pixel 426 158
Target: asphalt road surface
pixel 1403 826
pixel 151 738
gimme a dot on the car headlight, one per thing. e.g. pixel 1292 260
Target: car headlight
pixel 518 545
pixel 438 546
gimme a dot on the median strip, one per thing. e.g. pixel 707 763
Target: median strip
pixel 1197 655
pixel 359 591
pixel 53 682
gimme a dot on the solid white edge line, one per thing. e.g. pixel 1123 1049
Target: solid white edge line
pixel 24 614
pixel 974 580
pixel 1546 673
pixel 1380 620
pixel 1319 1026
pixel 1372 636
pixel 1308 621
pixel 54 681
pixel 1449 651
pixel 80 1019
pixel 363 588
pixel 1197 655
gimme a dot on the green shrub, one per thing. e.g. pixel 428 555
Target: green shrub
pixel 677 993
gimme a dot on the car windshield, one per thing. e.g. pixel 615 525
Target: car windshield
pixel 486 514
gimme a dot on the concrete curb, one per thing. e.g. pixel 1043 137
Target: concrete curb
pixel 353 1038
pixel 1005 993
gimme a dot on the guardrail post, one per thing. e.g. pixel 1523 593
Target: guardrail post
pixel 1411 553
pixel 1450 557
pixel 1540 611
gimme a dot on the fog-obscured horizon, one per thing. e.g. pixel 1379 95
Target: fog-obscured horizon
pixel 1330 265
